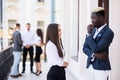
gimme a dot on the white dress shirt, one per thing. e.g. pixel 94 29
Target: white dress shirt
pixel 37 40
pixel 52 55
pixel 98 30
pixel 28 38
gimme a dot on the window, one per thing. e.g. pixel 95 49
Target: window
pixel 41 0
pixel 76 41
pixel 11 27
pixel 40 24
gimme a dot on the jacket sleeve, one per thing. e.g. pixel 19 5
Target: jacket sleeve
pixel 103 43
pixel 20 40
pixel 87 50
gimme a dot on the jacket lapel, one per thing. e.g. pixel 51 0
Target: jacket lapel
pixel 100 34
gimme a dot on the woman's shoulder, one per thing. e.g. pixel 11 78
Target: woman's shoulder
pixel 50 44
pixel 38 37
pixel 51 48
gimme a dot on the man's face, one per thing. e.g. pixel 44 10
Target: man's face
pixel 95 20
pixel 19 27
pixel 28 27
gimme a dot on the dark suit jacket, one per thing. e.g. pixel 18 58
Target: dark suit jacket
pixel 17 41
pixel 100 44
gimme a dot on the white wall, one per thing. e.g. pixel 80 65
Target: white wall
pixel 58 11
pixel 115 46
pixel 22 15
pixel 86 6
pixel 65 24
pixel 48 14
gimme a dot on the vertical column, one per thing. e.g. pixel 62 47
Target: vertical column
pixel 90 7
pixel 28 11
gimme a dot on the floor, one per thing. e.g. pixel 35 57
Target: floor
pixel 29 76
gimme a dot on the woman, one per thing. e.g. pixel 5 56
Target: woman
pixel 55 53
pixel 38 44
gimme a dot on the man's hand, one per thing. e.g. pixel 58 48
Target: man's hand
pixel 27 46
pixel 101 56
pixel 90 27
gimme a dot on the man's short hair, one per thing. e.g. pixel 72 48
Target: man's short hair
pixel 17 25
pixel 28 24
pixel 99 11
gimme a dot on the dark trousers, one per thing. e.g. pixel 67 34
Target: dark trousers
pixel 56 73
pixel 25 51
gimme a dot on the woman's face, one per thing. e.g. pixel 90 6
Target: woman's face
pixel 59 32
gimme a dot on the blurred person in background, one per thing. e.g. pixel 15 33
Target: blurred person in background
pixel 17 48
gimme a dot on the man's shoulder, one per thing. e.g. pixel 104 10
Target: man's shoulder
pixel 109 30
pixel 16 33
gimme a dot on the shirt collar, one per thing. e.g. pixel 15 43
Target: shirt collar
pixel 28 30
pixel 100 28
pixel 18 30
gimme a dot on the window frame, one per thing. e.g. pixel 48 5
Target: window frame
pixel 105 5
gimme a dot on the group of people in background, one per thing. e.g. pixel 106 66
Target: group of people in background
pixel 25 42
pixel 53 50
pixel 96 47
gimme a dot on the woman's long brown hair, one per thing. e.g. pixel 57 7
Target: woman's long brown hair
pixel 40 34
pixel 52 35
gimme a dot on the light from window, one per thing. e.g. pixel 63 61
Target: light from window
pixel 40 0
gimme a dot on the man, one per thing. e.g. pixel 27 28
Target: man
pixel 96 46
pixel 17 48
pixel 28 39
